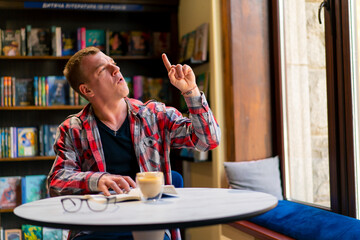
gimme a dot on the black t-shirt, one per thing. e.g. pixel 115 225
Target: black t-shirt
pixel 118 149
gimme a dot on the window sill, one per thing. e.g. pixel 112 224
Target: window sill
pixel 258 232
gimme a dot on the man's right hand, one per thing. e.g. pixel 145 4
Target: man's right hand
pixel 115 182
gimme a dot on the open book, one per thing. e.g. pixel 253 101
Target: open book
pixel 133 194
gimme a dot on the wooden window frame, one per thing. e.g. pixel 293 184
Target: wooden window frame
pixel 340 119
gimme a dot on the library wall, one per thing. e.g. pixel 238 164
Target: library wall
pixel 13 15
pixel 206 174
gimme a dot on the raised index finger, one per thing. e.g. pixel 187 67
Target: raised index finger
pixel 166 62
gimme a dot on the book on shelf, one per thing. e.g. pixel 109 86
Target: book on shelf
pixel 27 141
pixel 38 41
pixel 182 51
pixel 8 142
pixel 31 232
pixel 153 88
pixel 33 187
pixel 117 43
pixel 69 42
pixel 58 90
pixel 81 38
pixel 65 234
pixel 56 48
pixel 138 83
pixel 47 135
pixel 190 46
pixel 1 53
pixel 95 38
pixel 201 44
pixel 10 192
pixel 161 43
pixel 52 233
pixel 7 91
pixel 10 42
pixel 202 81
pixel 24 92
pixel 23 43
pixel 13 233
pixel 130 86
pixel 139 43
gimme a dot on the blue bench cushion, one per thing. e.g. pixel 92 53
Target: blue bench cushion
pixel 303 222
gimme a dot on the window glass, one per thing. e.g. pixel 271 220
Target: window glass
pixel 354 23
pixel 304 102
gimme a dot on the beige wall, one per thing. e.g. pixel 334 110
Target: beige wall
pixel 206 174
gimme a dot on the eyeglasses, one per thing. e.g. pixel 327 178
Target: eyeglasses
pixel 96 203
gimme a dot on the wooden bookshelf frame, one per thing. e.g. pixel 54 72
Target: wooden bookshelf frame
pixel 45 108
pixel 68 57
pixel 23 159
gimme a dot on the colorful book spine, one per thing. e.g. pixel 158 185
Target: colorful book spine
pixel 36 90
pixel 138 82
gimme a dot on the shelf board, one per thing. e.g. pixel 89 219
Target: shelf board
pixel 6 210
pixel 59 107
pixel 68 57
pixel 23 159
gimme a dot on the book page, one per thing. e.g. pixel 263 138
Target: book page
pixel 133 194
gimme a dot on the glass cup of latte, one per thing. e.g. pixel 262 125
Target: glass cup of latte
pixel 151 185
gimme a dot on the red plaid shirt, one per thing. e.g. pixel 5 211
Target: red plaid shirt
pixel 154 127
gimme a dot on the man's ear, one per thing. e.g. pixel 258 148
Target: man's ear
pixel 85 90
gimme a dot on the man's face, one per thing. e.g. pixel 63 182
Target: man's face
pixel 104 77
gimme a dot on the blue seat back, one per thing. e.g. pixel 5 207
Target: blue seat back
pixel 177 179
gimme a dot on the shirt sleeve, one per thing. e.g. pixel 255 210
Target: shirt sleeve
pixel 66 175
pixel 200 131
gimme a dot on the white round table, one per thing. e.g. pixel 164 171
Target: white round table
pixel 191 208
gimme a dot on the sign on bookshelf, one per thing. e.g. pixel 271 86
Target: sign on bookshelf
pixel 84 6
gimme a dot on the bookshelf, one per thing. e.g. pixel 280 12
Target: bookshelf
pixel 142 15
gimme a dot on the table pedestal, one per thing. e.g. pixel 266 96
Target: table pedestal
pixel 149 235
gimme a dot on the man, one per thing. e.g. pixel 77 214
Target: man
pixel 113 137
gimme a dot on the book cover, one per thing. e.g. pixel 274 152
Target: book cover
pixel 81 38
pixel 56 41
pixel 58 90
pixel 1 53
pixel 51 134
pixel 95 38
pixel 23 41
pixel 52 233
pixel 138 82
pixel 24 91
pixel 27 141
pixel 13 234
pixel 31 232
pixel 190 46
pixel 182 51
pixel 201 43
pixel 10 192
pixel 202 81
pixel 133 195
pixel 130 86
pixel 161 43
pixel 65 234
pixel 11 42
pixel 33 187
pixel 139 43
pixel 68 42
pixel 117 43
pixel 39 41
pixel 154 86
pixel 165 92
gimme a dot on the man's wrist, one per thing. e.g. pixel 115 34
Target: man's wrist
pixel 194 91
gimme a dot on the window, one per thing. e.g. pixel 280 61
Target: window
pixel 354 20
pixel 304 102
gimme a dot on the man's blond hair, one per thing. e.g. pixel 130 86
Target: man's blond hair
pixel 73 71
